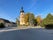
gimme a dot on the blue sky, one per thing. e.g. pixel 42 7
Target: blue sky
pixel 10 9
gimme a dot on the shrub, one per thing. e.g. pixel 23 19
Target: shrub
pixel 49 26
pixel 2 25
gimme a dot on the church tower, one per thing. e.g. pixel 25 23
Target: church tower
pixel 22 22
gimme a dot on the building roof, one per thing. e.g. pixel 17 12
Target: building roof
pixel 7 21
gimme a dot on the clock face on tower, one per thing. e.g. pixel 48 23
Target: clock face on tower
pixel 22 13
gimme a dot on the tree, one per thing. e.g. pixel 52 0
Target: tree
pixel 30 19
pixel 17 22
pixel 48 20
pixel 35 22
pixel 39 20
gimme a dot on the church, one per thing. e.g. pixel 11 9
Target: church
pixel 21 17
pixel 22 20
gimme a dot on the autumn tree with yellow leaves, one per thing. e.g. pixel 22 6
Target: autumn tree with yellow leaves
pixel 39 20
pixel 30 19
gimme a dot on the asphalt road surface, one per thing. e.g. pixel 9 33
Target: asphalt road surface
pixel 27 34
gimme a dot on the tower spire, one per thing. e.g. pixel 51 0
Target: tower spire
pixel 21 9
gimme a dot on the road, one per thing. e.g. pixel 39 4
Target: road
pixel 27 34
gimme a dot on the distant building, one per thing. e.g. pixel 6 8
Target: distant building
pixel 7 23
